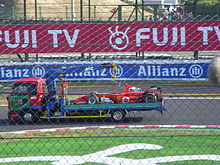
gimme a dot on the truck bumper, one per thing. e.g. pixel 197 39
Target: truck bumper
pixel 13 115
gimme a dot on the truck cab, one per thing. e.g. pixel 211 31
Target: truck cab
pixel 26 92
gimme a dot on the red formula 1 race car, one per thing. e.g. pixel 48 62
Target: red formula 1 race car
pixel 131 94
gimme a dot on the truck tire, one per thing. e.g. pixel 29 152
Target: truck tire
pixel 29 116
pixel 16 121
pixel 117 115
pixel 149 98
pixel 92 100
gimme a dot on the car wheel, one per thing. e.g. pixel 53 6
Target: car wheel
pixel 91 100
pixel 118 115
pixel 149 98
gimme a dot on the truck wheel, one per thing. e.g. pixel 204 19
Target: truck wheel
pixel 149 98
pixel 16 121
pixel 91 100
pixel 118 115
pixel 29 116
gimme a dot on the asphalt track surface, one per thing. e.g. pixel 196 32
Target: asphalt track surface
pixel 185 104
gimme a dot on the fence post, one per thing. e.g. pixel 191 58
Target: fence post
pixel 72 9
pixel 119 13
pixel 25 11
pixel 81 10
pixel 66 12
pixel 94 12
pixel 89 10
pixel 13 12
pixel 136 10
pixel 194 7
pixel 26 57
pixel 35 7
pixel 155 12
pixel 40 12
pixel 142 3
pixel 37 57
pixel 218 8
pixel 82 55
pixel 196 55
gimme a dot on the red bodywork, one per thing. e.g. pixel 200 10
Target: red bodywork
pixel 35 100
pixel 131 94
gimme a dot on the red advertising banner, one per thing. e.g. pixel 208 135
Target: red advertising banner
pixel 110 37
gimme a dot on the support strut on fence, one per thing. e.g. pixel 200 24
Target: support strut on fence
pixel 82 55
pixel 136 10
pixel 19 56
pixel 131 14
pixel 37 57
pixel 114 11
pixel 196 55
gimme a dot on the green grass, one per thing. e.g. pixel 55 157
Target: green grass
pixel 193 162
pixel 30 163
pixel 81 142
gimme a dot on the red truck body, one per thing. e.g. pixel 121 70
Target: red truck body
pixel 26 91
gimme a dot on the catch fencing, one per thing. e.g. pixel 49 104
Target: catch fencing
pixel 109 93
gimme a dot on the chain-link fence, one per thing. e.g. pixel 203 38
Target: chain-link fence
pixel 108 92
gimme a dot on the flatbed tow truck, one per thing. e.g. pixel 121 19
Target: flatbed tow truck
pixel 33 99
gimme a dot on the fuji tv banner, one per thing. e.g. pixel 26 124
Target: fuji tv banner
pixel 97 71
pixel 110 37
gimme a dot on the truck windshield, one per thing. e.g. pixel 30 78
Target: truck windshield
pixel 24 88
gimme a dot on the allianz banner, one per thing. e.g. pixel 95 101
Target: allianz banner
pixel 110 37
pixel 163 70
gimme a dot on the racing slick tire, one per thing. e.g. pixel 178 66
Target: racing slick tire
pixel 92 100
pixel 149 98
pixel 117 115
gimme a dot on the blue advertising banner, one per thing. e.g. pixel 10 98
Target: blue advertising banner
pixel 182 71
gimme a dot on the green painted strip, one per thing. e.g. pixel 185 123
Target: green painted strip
pixel 17 102
pixel 133 105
